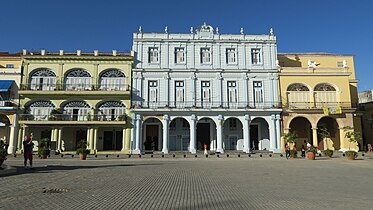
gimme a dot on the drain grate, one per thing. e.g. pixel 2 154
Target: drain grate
pixel 55 190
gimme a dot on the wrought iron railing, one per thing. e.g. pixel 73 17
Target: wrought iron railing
pixel 319 105
pixel 72 117
pixel 8 103
pixel 203 105
pixel 75 87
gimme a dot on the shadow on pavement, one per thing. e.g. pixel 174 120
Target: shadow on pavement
pixel 50 168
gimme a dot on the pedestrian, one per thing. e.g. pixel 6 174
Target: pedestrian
pixel 27 150
pixel 308 145
pixel 303 151
pixel 287 151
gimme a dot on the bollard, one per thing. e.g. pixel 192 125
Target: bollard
pixel 249 155
pixel 227 155
pixel 260 155
pixel 207 156
pixel 129 156
pixel 195 155
pixel 107 156
pixel 139 156
pixel 270 155
pixel 239 155
pixel 61 155
pixel 95 156
pixel 117 156
pixel 72 156
pixel 217 155
pixel 163 156
pixel 173 155
pixel 151 156
pixel 184 156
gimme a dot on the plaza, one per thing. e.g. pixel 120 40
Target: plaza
pixel 189 183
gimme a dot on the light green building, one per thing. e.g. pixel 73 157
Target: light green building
pixel 68 97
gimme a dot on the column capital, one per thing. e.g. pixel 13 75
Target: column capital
pixel 138 117
pixel 166 117
pixel 193 117
pixel 220 117
pixel 247 117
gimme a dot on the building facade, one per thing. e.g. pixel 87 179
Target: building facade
pixel 319 91
pixel 204 89
pixel 366 111
pixel 10 78
pixel 69 97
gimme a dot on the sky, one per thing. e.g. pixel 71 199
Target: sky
pixel 333 26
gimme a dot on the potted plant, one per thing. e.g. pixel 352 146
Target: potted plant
pixel 325 136
pixel 55 114
pixel 293 153
pixel 311 153
pixel 82 150
pixel 328 153
pixel 43 148
pixel 352 137
pixel 3 152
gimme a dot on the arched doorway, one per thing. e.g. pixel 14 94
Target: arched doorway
pixel 331 126
pixel 179 135
pixel 303 128
pixel 233 134
pixel 259 134
pixel 152 140
pixel 206 134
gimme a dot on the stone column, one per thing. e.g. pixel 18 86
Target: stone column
pixel 166 119
pixel 60 77
pixel 166 98
pixel 278 133
pixel 127 140
pixel 219 134
pixel 89 138
pixel 95 76
pixel 12 140
pixel 220 90
pixel 138 124
pixel 193 139
pixel 59 140
pixel 246 134
pixel 342 142
pixel 95 130
pixel 314 137
pixel 246 89
pixel 272 132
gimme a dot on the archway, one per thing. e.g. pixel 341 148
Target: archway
pixel 259 134
pixel 152 134
pixel 112 79
pixel 232 133
pixel 331 126
pixel 179 135
pixel 206 134
pixel 77 79
pixel 303 128
pixel 42 79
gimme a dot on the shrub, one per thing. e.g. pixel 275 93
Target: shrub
pixel 293 153
pixel 82 147
pixel 312 149
pixel 43 146
pixel 328 152
pixel 351 153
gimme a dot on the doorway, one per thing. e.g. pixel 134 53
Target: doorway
pixel 254 137
pixel 203 136
pixel 152 137
pixel 80 135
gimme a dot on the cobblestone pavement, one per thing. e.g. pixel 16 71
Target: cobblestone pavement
pixel 189 183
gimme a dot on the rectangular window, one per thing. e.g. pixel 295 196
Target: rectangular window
pixel 153 55
pixel 258 92
pixel 10 66
pixel 255 56
pixel 205 83
pixel 339 64
pixel 232 124
pixel 179 93
pixel 205 55
pixel 153 92
pixel 179 55
pixel 205 92
pixel 232 93
pixel 231 56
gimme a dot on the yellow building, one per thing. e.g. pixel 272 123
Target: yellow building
pixel 10 77
pixel 69 97
pixel 319 92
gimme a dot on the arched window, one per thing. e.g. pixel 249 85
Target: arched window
pixel 40 110
pixel 325 95
pixel 111 110
pixel 112 79
pixel 43 79
pixel 77 110
pixel 78 79
pixel 298 96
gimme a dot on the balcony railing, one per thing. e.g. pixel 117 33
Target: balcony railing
pixel 319 105
pixel 203 105
pixel 72 117
pixel 75 87
pixel 8 103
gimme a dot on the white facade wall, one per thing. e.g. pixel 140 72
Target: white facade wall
pixel 192 72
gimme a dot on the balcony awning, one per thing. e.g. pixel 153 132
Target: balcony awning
pixel 5 85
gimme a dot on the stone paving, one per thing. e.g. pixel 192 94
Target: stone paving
pixel 189 183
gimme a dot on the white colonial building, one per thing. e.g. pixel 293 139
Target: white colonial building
pixel 205 89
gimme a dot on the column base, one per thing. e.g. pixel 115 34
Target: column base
pixel 193 151
pixel 11 150
pixel 221 151
pixel 136 152
pixel 165 151
pixel 277 151
pixel 247 151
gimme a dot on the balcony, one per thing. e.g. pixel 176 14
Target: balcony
pixel 73 89
pixel 72 119
pixel 187 105
pixel 8 105
pixel 319 105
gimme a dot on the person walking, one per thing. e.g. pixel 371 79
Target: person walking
pixel 287 151
pixel 303 151
pixel 27 151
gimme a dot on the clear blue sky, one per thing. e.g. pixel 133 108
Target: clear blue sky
pixel 334 26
